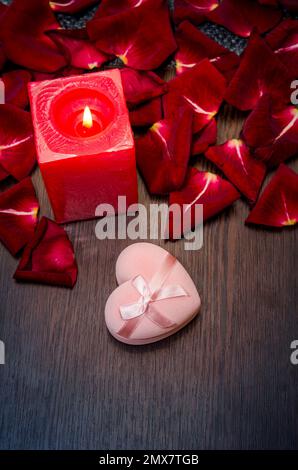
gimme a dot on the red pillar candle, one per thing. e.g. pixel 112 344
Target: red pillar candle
pixel 84 143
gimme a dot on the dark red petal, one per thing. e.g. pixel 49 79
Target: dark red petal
pixel 260 72
pixel 110 7
pixel 146 114
pixel 204 138
pixel 193 10
pixel 163 152
pixel 291 5
pixel 18 215
pixel 22 33
pixel 49 258
pixel 141 86
pixel 71 6
pixel 81 52
pixel 272 132
pixel 141 37
pixel 227 64
pixel 17 149
pixel 194 46
pixel 284 42
pixel 278 203
pixel 239 166
pixel 201 187
pixel 15 83
pixel 202 87
pixel 240 17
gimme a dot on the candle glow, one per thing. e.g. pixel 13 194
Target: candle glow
pixel 87 118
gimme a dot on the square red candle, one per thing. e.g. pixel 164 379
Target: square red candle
pixel 84 143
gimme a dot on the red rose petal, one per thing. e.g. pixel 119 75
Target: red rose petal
pixel 76 44
pixel 141 37
pixel 71 6
pixel 194 46
pixel 49 258
pixel 18 215
pixel 278 204
pixel 163 152
pixel 17 149
pixel 284 42
pixel 147 113
pixel 240 17
pixel 202 87
pixel 234 159
pixel 193 10
pixel 204 138
pixel 201 187
pixel 272 132
pixel 260 72
pixel 15 83
pixel 141 86
pixel 22 33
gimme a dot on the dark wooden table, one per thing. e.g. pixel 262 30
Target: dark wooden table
pixel 223 382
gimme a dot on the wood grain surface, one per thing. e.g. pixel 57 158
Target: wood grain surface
pixel 223 382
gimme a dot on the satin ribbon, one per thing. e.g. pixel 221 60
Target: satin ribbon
pixel 149 294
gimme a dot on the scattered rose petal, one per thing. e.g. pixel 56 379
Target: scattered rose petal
pixel 194 46
pixel 204 138
pixel 278 203
pixel 49 257
pixel 141 86
pixel 163 152
pixel 284 42
pixel 141 37
pixel 244 171
pixel 202 87
pixel 22 33
pixel 17 149
pixel 15 83
pixel 77 46
pixel 71 6
pixel 201 187
pixel 240 17
pixel 147 113
pixel 260 72
pixel 272 132
pixel 195 11
pixel 18 215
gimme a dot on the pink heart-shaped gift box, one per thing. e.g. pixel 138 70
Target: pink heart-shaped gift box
pixel 155 298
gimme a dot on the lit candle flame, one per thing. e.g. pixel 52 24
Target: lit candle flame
pixel 87 118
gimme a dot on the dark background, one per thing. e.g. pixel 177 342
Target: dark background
pixel 223 382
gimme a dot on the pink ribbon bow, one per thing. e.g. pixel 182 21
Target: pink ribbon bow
pixel 149 294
